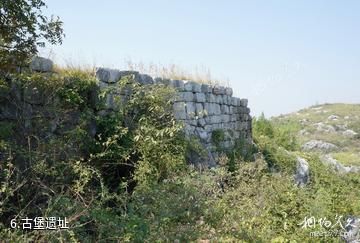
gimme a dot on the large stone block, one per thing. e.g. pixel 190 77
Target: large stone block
pixel 218 90
pixel 191 86
pixel 229 91
pixel 244 102
pixel 213 119
pixel 229 100
pixel 108 75
pixel 110 103
pixel 200 97
pixel 224 109
pixel 210 98
pixel 208 128
pixel 179 110
pixel 201 122
pixel 243 110
pixel 190 110
pixel 217 109
pixel 163 81
pixel 219 99
pixel 188 86
pixel 189 130
pixel 233 125
pixel 246 117
pixel 186 96
pixel 197 87
pixel 205 88
pixel 209 108
pixel 144 79
pixel 225 118
pixel 234 118
pixel 242 126
pixel 202 134
pixel 41 64
pixel 199 108
pixel 178 84
pixel 225 100
pixel 235 101
pixel 231 110
pixel 192 122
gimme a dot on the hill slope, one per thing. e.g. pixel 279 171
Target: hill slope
pixel 337 124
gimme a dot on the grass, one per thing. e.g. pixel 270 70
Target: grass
pixel 348 117
pixel 175 72
pixel 172 71
pixel 347 158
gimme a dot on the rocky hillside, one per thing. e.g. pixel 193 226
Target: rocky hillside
pixel 331 130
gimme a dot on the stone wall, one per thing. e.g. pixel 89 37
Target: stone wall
pixel 202 108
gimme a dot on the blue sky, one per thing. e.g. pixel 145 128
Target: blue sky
pixel 281 55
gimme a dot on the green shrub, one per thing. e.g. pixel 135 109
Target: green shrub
pixel 217 137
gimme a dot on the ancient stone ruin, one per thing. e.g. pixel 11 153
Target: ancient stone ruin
pixel 203 109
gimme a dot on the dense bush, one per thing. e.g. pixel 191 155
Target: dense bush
pixel 128 182
pixel 85 174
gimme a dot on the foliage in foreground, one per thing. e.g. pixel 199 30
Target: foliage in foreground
pixel 128 183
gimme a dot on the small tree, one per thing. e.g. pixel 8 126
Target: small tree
pixel 24 28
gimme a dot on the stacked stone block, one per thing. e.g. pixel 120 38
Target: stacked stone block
pixel 203 108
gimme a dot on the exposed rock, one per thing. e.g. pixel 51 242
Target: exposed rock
pixel 190 110
pixel 210 98
pixel 320 146
pixel 302 175
pixel 108 75
pixel 341 127
pixel 41 64
pixel 229 91
pixel 191 86
pixel 178 84
pixel 179 110
pixel 219 90
pixel 352 230
pixel 244 102
pixel 350 133
pixel 200 97
pixel 145 79
pixel 186 96
pixel 333 117
pixel 329 160
pixel 321 127
pixel 201 160
pixel 205 88
pixel 199 108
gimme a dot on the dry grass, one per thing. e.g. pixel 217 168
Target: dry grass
pixel 71 68
pixel 176 72
pixel 167 71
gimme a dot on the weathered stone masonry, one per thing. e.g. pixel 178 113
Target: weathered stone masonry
pixel 203 108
